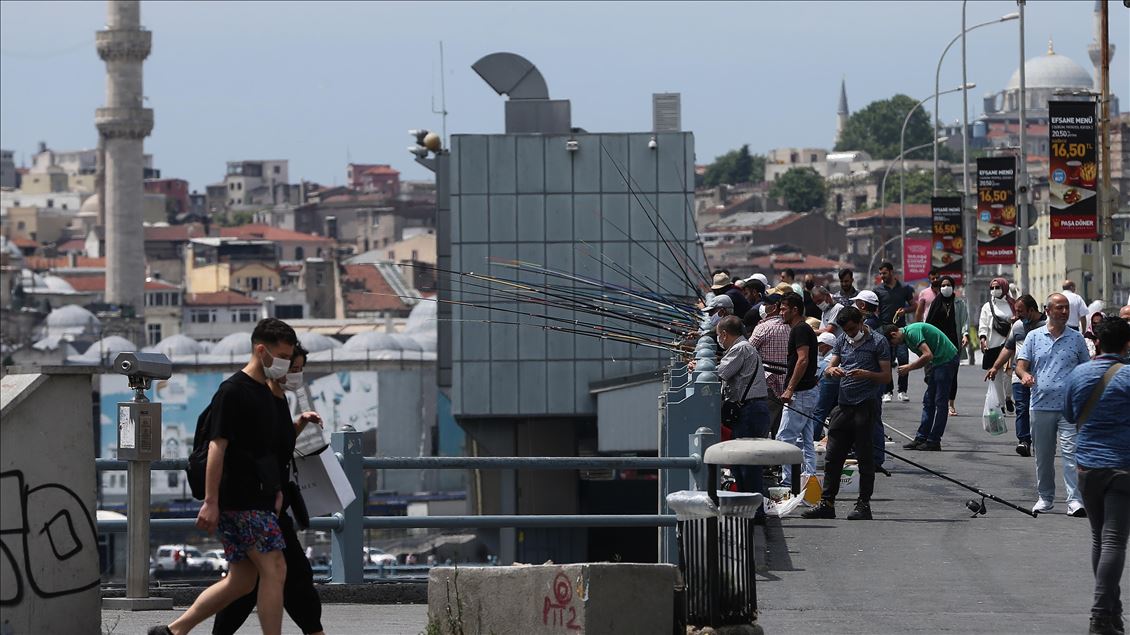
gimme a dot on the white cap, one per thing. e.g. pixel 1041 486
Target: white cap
pixel 720 301
pixel 867 296
pixel 761 277
pixel 826 338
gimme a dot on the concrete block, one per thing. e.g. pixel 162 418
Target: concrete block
pixel 569 598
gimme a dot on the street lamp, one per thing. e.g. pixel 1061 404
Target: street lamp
pixel 938 74
pixel 902 163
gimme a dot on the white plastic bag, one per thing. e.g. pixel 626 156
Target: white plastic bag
pixel 992 417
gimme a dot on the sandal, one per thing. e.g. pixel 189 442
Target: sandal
pixel 953 411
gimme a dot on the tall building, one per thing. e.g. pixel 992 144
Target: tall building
pixel 1094 49
pixel 842 112
pixel 123 125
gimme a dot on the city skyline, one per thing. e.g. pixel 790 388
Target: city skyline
pixel 310 84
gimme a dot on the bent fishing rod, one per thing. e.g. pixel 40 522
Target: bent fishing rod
pixel 977 509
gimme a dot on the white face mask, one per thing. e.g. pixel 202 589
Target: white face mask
pixel 824 305
pixel 997 293
pixel 947 291
pixel 858 337
pixel 761 310
pixel 278 367
pixel 293 381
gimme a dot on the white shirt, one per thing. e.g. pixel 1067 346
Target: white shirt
pixel 1077 307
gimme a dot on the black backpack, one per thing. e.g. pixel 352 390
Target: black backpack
pixel 198 459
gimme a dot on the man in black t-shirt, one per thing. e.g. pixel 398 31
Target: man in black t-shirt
pixel 800 394
pixel 250 444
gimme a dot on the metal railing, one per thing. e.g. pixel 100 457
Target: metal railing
pixel 348 525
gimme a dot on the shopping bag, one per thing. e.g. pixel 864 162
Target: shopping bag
pixel 323 483
pixel 992 417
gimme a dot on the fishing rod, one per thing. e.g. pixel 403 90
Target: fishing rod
pixel 972 505
pixel 628 180
pixel 636 341
pixel 659 234
pixel 577 323
pixel 591 252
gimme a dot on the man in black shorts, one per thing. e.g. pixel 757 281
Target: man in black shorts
pixel 248 455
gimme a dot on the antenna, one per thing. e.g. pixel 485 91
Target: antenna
pixel 442 95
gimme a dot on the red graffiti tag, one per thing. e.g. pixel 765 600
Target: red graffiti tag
pixel 559 608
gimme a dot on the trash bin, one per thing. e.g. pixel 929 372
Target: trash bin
pixel 715 532
pixel 717 556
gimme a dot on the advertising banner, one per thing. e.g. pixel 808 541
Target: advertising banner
pixel 996 211
pixel 948 249
pixel 916 258
pixel 1073 172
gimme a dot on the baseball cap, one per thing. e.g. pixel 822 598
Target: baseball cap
pixel 720 301
pixel 826 338
pixel 773 298
pixel 761 277
pixel 867 296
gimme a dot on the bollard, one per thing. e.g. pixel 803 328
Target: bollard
pixel 700 440
pixel 347 566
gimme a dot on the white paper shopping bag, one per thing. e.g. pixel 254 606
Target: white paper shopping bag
pixel 322 482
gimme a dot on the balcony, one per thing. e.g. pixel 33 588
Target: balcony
pixel 123 44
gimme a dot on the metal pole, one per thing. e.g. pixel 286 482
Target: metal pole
pixel 1022 182
pixel 346 547
pixel 1105 209
pixel 883 199
pixel 970 227
pixel 137 530
pixel 902 173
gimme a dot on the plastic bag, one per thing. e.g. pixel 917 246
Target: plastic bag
pixel 992 417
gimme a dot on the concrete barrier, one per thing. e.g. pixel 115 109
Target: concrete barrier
pixel 569 598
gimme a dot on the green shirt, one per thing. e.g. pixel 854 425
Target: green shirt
pixel 940 345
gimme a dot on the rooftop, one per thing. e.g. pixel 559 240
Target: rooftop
pixel 219 298
pixel 266 232
pixel 97 284
pixel 913 210
pixel 369 290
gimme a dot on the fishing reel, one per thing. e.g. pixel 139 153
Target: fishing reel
pixel 978 509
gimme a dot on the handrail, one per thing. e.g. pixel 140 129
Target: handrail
pixel 477 463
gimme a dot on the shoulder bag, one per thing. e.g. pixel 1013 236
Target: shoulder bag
pixel 1096 393
pixel 732 409
pixel 1002 326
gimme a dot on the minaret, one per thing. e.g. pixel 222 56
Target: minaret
pixel 1094 50
pixel 842 112
pixel 122 126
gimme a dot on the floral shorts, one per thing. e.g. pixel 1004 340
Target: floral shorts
pixel 243 530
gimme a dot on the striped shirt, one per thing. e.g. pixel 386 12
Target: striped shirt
pixel 771 339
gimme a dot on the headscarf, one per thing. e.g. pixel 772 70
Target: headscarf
pixel 1004 296
pixel 1090 321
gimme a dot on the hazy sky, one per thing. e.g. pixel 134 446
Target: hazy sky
pixel 317 82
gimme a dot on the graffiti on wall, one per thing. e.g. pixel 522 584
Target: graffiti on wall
pixel 49 526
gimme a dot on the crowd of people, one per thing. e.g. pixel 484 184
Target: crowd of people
pixel 800 358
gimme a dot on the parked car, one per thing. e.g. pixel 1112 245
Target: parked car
pixel 377 556
pixel 215 560
pixel 179 558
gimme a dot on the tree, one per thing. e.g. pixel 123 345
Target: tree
pixel 736 166
pixel 920 186
pixel 876 128
pixel 802 189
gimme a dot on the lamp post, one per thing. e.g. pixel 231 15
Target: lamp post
pixel 938 75
pixel 902 164
pixel 1022 179
pixel 883 187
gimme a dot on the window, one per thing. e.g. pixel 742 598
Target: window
pixel 415 255
pixel 812 158
pixel 154 333
pixel 278 169
pixel 1088 248
pixel 392 254
pixel 299 253
pixel 1116 249
pixel 21 225
pixel 256 283
pixel 202 316
pixel 174 481
pixel 231 186
pixel 64 206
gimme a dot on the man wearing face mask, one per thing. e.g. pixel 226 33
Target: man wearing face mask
pixel 250 445
pixel 829 309
pixel 719 307
pixel 1030 319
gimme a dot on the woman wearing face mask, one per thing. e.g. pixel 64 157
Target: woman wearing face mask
pixel 944 314
pixel 300 598
pixel 993 329
pixel 1093 320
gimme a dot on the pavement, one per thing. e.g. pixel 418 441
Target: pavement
pixel 923 565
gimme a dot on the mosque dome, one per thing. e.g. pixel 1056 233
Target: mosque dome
pixel 90 206
pixel 315 342
pixel 176 345
pixel 1051 71
pixel 55 284
pixel 106 349
pixel 71 316
pixel 373 341
pixel 233 345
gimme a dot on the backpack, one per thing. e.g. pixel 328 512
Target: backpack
pixel 198 459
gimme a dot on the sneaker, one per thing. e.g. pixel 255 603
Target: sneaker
pixel 862 511
pixel 1075 509
pixel 887 398
pixel 159 630
pixel 1103 626
pixel 916 444
pixel 904 397
pixel 1043 505
pixel 1024 448
pixel 932 446
pixel 823 510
